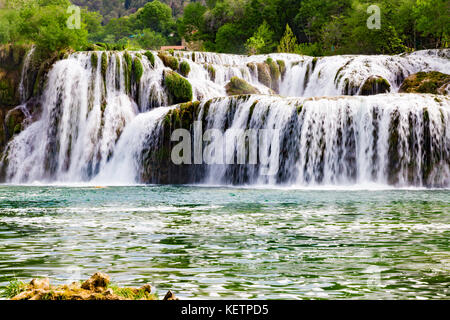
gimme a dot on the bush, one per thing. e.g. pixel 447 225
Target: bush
pixel 179 89
pixel 185 68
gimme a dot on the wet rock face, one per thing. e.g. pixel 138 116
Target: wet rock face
pixel 427 82
pixel 375 85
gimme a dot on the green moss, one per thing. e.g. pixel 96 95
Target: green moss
pixel 94 60
pixel 274 69
pixel 132 293
pixel 193 56
pixel 239 86
pixel 179 88
pixel 150 57
pixel 14 288
pixel 138 69
pixel 282 66
pixel 185 68
pixel 313 63
pixel 169 61
pixel 128 70
pixel 375 85
pixel 104 65
pixel 211 72
pixel 426 82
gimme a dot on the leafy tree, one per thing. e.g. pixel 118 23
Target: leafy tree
pixel 156 16
pixel 289 42
pixel 261 41
pixel 433 19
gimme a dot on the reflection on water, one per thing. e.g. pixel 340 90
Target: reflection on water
pixel 211 242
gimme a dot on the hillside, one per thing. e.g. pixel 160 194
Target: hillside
pixel 118 8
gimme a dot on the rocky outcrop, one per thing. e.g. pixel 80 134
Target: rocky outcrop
pixel 427 82
pixel 375 85
pixel 97 287
pixel 239 86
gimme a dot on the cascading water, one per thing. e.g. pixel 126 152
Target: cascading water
pixel 98 122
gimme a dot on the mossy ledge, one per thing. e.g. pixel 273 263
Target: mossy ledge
pixel 97 287
pixel 168 60
pixel 427 82
pixel 238 86
pixel 178 88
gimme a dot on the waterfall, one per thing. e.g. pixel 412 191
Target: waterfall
pixel 24 83
pixel 100 123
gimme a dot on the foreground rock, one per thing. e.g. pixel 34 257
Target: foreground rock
pixel 427 82
pixel 97 287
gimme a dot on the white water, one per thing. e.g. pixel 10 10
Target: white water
pixel 94 130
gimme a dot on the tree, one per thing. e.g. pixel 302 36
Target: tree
pixel 288 42
pixel 192 21
pixel 261 42
pixel 433 19
pixel 156 16
pixel 230 39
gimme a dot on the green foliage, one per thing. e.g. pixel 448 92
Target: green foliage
pixel 288 42
pixel 309 49
pixel 310 27
pixel 185 68
pixel 179 89
pixel 14 288
pixel 150 57
pixel 230 38
pixel 262 40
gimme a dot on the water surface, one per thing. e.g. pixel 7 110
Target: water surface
pixel 216 242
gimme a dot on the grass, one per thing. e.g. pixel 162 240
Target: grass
pixel 132 294
pixel 14 288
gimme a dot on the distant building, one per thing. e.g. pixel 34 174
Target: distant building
pixel 173 48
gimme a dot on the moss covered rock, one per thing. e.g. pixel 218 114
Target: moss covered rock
pixel 168 60
pixel 150 57
pixel 178 88
pixel 95 288
pixel 239 86
pixel 427 82
pixel 264 74
pixel 185 68
pixel 13 121
pixel 138 69
pixel 375 85
pixel 211 71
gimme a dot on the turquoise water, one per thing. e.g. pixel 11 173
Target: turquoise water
pixel 214 242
